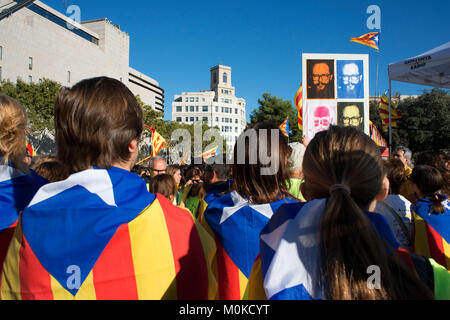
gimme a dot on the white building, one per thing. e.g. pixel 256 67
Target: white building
pixel 38 42
pixel 219 107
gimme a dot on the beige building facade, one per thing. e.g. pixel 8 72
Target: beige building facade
pixel 38 42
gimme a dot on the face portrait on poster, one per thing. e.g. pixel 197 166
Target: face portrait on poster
pixel 320 115
pixel 350 79
pixel 351 114
pixel 320 79
pixel 335 91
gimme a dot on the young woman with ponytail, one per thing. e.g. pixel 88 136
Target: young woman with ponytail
pixel 334 246
pixel 431 215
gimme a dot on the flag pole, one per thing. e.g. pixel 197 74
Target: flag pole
pixel 390 118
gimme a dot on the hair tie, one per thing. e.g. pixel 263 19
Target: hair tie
pixel 339 186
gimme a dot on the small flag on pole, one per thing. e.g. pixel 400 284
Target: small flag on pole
pixel 369 39
pixel 210 153
pixel 157 141
pixel 284 127
pixel 298 101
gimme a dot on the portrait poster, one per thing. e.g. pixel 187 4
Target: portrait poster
pixel 339 81
pixel 319 116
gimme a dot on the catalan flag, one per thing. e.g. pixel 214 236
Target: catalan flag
pixel 158 142
pixel 210 153
pixel 235 224
pixel 432 232
pixel 30 149
pixel 16 191
pixel 284 127
pixel 371 39
pixel 288 267
pixel 384 112
pixel 101 235
pixel 376 136
pixel 298 101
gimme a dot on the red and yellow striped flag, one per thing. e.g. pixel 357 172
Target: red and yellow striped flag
pixel 139 246
pixel 30 149
pixel 298 101
pixel 158 141
pixel 369 39
pixel 384 112
pixel 210 153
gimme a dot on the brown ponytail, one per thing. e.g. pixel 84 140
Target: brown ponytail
pixel 349 242
pixel 429 181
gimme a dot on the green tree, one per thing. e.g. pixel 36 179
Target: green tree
pixel 38 99
pixel 274 109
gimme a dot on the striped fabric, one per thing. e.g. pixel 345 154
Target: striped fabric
pixel 298 102
pixel 235 225
pixel 290 256
pixel 432 232
pixel 16 191
pixel 101 235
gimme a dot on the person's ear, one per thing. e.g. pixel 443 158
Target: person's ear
pixel 132 146
pixel 384 191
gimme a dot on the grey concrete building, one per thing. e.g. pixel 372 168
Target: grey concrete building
pixel 39 42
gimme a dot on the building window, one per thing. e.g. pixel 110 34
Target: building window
pixel 179 108
pixel 186 100
pixel 1 52
pixel 186 109
pixel 225 77
pixel 205 108
pixel 192 108
pixel 68 77
pixel 217 119
pixel 191 119
pixel 30 79
pixel 214 78
pixel 0 73
pixel 178 119
pixel 235 111
pixel 204 99
pixel 196 108
pixel 187 119
pixel 30 63
pixel 196 99
pixel 192 100
pixel 205 119
pixel 235 120
pixel 235 129
pixel 217 109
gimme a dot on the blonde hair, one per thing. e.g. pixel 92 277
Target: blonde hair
pixel 349 243
pixel 13 128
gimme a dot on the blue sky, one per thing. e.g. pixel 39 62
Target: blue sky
pixel 177 42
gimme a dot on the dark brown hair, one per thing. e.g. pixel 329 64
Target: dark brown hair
pixel 429 181
pixel 438 160
pixel 95 121
pixel 349 242
pixel 163 184
pixel 52 170
pixel 247 178
pixel 395 171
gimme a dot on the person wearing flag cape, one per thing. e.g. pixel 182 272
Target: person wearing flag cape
pixel 99 234
pixel 334 246
pixel 18 183
pixel 236 218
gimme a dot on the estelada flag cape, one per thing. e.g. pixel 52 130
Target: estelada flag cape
pixel 16 191
pixel 101 235
pixel 288 267
pixel 432 232
pixel 236 224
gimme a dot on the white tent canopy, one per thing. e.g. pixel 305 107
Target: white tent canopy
pixel 431 68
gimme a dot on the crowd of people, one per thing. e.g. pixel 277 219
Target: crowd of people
pixel 87 223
